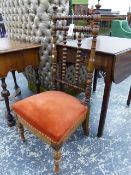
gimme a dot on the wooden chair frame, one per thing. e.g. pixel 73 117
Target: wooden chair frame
pixel 94 28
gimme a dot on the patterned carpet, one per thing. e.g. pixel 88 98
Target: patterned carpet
pixel 81 155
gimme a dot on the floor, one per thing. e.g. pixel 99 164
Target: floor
pixel 81 155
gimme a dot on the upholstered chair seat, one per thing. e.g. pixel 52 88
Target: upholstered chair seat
pixel 53 114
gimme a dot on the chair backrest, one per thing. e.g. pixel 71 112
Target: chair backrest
pixel 92 28
pixel 126 26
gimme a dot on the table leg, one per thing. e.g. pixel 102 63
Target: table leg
pixel 5 94
pixel 37 82
pixel 16 87
pixel 95 80
pixel 129 98
pixel 105 102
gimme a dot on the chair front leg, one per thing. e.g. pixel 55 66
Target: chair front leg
pixel 85 125
pixel 57 157
pixel 21 130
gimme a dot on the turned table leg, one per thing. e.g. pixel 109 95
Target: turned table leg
pixel 5 94
pixel 16 87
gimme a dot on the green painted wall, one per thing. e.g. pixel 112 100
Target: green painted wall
pixel 79 1
pixel 71 2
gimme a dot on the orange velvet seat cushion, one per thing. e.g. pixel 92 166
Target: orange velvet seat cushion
pixel 53 113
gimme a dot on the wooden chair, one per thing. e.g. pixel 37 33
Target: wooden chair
pixel 55 115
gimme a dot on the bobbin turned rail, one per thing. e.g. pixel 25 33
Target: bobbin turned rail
pixel 94 17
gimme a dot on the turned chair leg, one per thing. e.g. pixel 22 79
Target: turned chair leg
pixel 21 131
pixel 85 125
pixel 57 157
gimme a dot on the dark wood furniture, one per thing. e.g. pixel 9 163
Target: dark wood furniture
pixel 129 97
pixel 113 56
pixel 16 55
pixel 54 115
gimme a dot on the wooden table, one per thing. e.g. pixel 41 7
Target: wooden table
pixel 113 56
pixel 16 55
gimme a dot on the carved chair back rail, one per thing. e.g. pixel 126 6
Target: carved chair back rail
pixel 94 17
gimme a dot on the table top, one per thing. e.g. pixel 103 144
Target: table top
pixel 105 44
pixel 9 45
